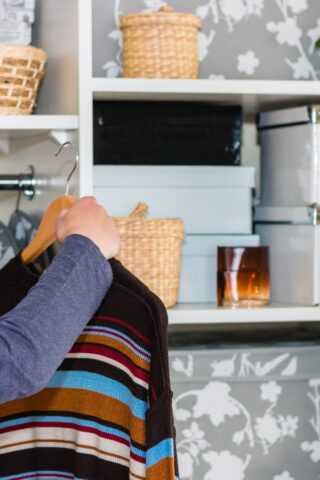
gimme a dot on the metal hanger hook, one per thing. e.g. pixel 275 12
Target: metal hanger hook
pixel 19 196
pixel 68 144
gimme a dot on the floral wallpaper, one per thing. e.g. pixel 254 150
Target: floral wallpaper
pixel 240 39
pixel 244 414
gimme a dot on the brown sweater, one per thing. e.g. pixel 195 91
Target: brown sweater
pixel 106 413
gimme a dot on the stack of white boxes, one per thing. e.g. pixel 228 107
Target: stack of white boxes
pixel 16 19
pixel 215 204
pixel 289 215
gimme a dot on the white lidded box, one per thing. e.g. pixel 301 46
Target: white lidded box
pixel 290 163
pixel 198 280
pixel 210 200
pixel 294 261
pixel 289 214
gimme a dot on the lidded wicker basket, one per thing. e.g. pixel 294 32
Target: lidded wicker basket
pixel 163 44
pixel 21 71
pixel 151 249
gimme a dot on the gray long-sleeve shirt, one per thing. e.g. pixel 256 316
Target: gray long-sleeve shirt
pixel 37 334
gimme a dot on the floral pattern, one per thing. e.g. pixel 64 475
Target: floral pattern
pixel 252 33
pixel 313 448
pixel 237 411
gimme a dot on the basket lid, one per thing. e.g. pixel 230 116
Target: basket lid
pixel 165 15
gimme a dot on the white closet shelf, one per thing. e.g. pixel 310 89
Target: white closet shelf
pixel 253 95
pixel 18 126
pixel 193 314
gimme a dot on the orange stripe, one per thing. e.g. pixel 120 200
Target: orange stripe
pixel 111 342
pixel 163 470
pixel 82 402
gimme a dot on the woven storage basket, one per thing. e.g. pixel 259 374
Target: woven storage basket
pixel 151 249
pixel 160 45
pixel 21 70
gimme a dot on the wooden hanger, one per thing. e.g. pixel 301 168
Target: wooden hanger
pixel 46 233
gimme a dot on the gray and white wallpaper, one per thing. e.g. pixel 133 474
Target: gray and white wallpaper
pixel 247 413
pixel 240 39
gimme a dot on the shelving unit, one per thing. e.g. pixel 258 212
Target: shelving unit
pixel 253 95
pixel 33 139
pixel 65 104
pixel 209 314
pixel 14 127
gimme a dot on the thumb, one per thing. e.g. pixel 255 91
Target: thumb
pixel 60 228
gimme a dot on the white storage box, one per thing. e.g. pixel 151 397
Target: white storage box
pixel 16 19
pixel 247 413
pixel 290 159
pixel 210 200
pixel 294 262
pixel 198 281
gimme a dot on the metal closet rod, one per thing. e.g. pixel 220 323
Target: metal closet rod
pixel 23 182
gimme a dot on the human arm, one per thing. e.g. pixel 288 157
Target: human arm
pixel 37 334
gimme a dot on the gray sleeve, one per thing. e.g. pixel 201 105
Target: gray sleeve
pixel 37 334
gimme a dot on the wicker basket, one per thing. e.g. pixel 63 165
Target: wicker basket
pixel 160 45
pixel 21 70
pixel 151 249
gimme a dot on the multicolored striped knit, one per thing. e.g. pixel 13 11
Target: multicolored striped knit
pixel 106 413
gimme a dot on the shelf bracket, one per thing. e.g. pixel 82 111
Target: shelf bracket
pixel 63 136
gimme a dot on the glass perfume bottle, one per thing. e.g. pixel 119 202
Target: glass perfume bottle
pixel 243 276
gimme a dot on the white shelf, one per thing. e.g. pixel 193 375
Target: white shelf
pixel 193 314
pixel 253 95
pixel 18 126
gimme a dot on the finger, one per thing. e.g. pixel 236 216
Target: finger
pixel 62 214
pixel 88 198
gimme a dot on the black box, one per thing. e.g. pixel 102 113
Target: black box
pixel 166 133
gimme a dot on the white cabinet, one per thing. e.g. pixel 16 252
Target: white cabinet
pixel 64 30
pixel 253 95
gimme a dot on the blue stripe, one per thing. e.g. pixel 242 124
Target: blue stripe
pixel 99 384
pixel 138 452
pixel 121 340
pixel 43 474
pixel 160 451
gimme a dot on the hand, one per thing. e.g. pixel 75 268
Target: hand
pixel 86 217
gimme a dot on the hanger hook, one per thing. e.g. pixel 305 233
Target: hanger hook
pixel 19 196
pixel 68 144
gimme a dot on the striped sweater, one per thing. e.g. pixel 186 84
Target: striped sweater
pixel 106 412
